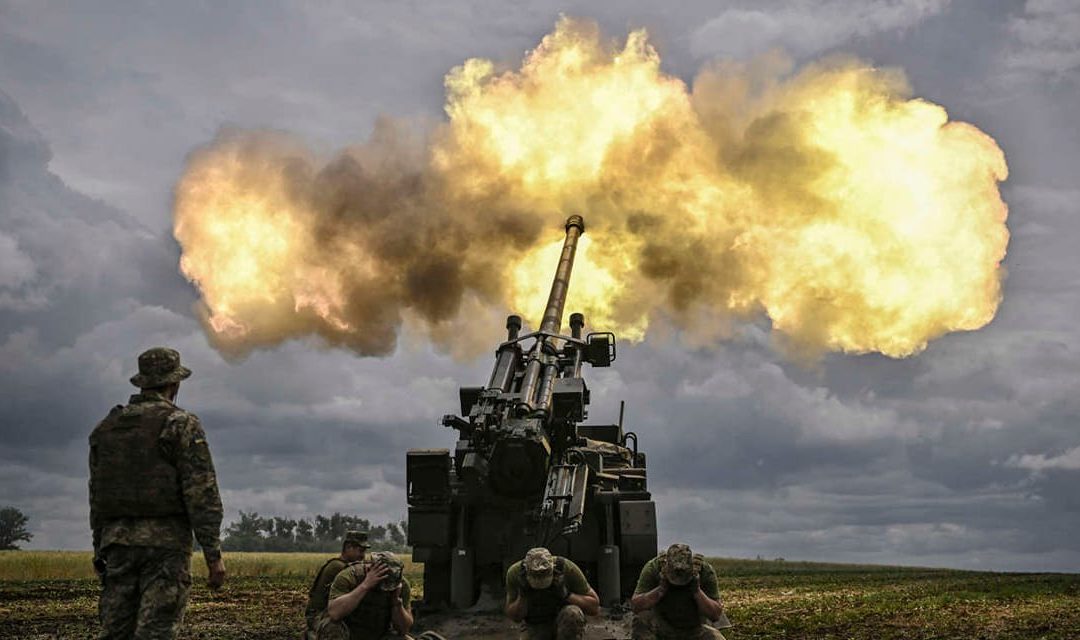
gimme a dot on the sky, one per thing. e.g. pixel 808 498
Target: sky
pixel 965 455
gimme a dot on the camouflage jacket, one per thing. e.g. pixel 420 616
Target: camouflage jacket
pixel 184 442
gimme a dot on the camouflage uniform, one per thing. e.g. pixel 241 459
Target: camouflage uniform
pixel 676 616
pixel 372 618
pixel 545 581
pixel 152 483
pixel 319 594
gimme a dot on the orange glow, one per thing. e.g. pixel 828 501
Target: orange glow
pixel 857 218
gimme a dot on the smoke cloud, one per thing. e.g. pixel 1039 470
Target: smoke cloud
pixel 855 217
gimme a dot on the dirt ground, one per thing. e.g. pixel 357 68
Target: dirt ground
pixel 494 626
pixel 487 622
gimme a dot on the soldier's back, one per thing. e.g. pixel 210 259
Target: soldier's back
pixel 319 593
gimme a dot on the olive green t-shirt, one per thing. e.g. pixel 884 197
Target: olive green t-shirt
pixel 347 580
pixel 573 578
pixel 650 579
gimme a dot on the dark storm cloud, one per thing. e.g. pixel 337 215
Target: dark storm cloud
pixel 966 455
pixel 70 258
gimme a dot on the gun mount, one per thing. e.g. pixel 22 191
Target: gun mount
pixel 526 472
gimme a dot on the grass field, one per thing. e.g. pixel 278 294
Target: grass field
pixel 54 595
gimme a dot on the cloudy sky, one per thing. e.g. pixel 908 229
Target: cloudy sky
pixel 967 455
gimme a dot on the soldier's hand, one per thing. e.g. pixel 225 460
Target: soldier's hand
pixel 695 583
pixel 374 575
pixel 397 601
pixel 215 570
pixel 663 587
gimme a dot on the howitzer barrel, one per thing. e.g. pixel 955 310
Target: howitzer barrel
pixel 533 390
pixel 552 321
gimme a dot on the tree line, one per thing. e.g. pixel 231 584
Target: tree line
pixel 253 532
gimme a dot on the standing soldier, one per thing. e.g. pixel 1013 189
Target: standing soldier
pixel 551 595
pixel 152 483
pixel 675 595
pixel 353 548
pixel 368 601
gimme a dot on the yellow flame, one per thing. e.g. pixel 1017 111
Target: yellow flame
pixel 907 244
pixel 594 287
pixel 245 240
pixel 857 218
pixel 854 216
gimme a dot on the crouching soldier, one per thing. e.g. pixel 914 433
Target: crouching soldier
pixel 368 601
pixel 675 596
pixel 551 595
pixel 353 548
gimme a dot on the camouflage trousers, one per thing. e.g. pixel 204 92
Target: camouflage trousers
pixel 649 626
pixel 144 592
pixel 568 625
pixel 314 622
pixel 311 628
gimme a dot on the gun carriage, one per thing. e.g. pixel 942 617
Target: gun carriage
pixel 526 472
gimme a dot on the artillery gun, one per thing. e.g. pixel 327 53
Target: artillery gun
pixel 525 472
